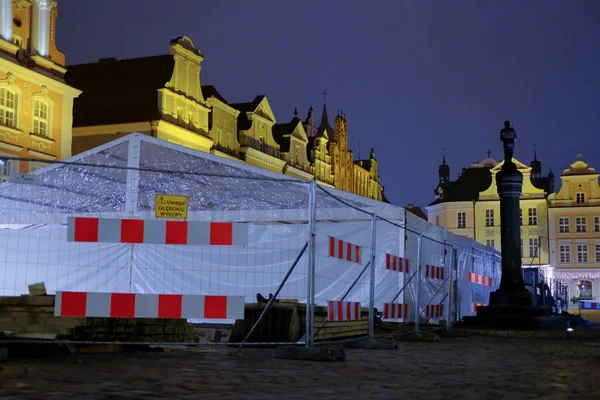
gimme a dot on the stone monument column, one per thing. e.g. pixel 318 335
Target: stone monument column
pixel 509 180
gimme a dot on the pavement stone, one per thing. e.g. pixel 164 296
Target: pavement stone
pixel 474 367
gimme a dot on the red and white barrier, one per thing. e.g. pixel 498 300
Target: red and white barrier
pixel 344 250
pixel 395 311
pixel 107 230
pixel 343 311
pixel 133 305
pixel 434 272
pixel 396 263
pixel 480 279
pixel 434 310
pixel 475 305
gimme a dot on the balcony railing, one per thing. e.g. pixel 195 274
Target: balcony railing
pixel 246 141
pixel 225 149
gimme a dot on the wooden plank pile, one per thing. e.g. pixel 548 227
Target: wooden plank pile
pixel 32 317
pixel 286 322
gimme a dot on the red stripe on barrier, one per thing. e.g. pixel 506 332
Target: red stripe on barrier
pixel 356 310
pixel 386 310
pixel 331 246
pixel 442 268
pixel 221 233
pixel 73 304
pixel 177 232
pixel 169 305
pixel 331 312
pixel 132 231
pixel 215 307
pixel 470 277
pixel 86 229
pixel 340 249
pixel 122 305
pixel 387 261
pixel 348 252
pixel 489 281
pixel 393 306
pixel 357 254
pixel 340 311
pixel 349 310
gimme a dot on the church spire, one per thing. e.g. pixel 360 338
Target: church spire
pixel 536 165
pixel 444 169
pixel 324 125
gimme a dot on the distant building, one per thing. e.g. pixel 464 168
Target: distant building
pixel 470 206
pixel 35 103
pixel 574 227
pixel 162 96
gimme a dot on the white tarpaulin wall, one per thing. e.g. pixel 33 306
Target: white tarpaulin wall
pixel 122 178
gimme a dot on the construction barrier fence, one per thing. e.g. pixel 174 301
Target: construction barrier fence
pixel 142 240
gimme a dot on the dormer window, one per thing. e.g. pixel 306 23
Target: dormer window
pixel 580 198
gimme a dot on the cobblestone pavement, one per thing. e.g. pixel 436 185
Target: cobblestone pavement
pixel 455 368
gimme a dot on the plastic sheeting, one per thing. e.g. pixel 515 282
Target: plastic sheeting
pixel 122 178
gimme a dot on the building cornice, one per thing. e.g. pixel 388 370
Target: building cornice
pixel 39 78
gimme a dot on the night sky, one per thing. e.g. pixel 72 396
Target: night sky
pixel 412 77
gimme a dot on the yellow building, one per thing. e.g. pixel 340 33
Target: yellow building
pixel 470 207
pixel 574 227
pixel 36 105
pixel 162 96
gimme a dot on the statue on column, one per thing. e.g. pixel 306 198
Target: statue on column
pixel 508 137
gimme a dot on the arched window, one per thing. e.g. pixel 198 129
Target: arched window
pixel 41 118
pixel 8 107
pixel 584 289
pixel 42 114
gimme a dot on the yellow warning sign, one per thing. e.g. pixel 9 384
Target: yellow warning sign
pixel 171 206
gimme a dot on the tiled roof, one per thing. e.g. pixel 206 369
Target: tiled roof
pixel 119 91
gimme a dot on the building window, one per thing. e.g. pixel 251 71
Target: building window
pixel 461 220
pixel 580 224
pixel 490 243
pixel 533 216
pixel 6 168
pixel 521 248
pixel 437 220
pixel 521 216
pixel 584 290
pixel 580 198
pixel 565 253
pixel 564 224
pixel 8 108
pixel 297 155
pixel 598 254
pixel 582 253
pixel 489 217
pixel 41 121
pixel 533 247
pixel 596 224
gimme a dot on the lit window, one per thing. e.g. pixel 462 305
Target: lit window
pixel 580 198
pixel 489 217
pixel 584 290
pixel 533 216
pixel 490 243
pixel 582 253
pixel 521 248
pixel 521 216
pixel 8 108
pixel 564 224
pixel 41 119
pixel 565 253
pixel 580 224
pixel 596 224
pixel 533 247
pixel 6 168
pixel 461 220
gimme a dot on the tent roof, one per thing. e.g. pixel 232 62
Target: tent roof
pixel 102 181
